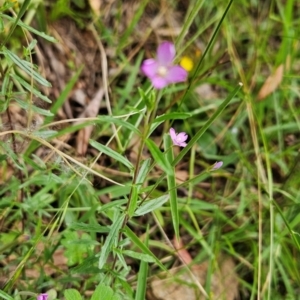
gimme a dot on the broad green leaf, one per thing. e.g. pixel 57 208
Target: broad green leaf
pixel 32 107
pixel 132 236
pixel 110 241
pixel 75 253
pixel 72 294
pixel 151 205
pixel 111 153
pixel 104 292
pixel 140 256
pixel 31 89
pixel 26 67
pixel 172 186
pixel 158 156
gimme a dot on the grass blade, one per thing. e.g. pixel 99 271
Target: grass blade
pixel 196 137
pixel 142 276
pixel 172 186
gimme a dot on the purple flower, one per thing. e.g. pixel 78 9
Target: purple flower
pixel 217 165
pixel 161 70
pixel 179 138
pixel 42 297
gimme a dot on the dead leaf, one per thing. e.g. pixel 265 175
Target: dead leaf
pixel 95 5
pixel 206 92
pixel 179 284
pixel 182 253
pixel 271 84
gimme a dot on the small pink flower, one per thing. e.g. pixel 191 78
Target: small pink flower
pixel 42 297
pixel 179 138
pixel 217 165
pixel 161 70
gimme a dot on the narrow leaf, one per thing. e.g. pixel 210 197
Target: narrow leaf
pixel 141 286
pixel 5 296
pixel 151 205
pixel 159 157
pixel 34 108
pixel 171 116
pixel 31 89
pixel 172 187
pixel 119 122
pixel 133 201
pixel 45 134
pixel 26 67
pixel 130 234
pixel 196 137
pixel 143 172
pixel 140 256
pixel 12 155
pixel 111 153
pixel 110 241
pixel 89 227
pixel 31 29
pixel 19 16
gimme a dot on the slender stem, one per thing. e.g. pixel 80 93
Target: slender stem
pixel 136 171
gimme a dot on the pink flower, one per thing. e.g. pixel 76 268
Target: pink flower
pixel 217 165
pixel 42 297
pixel 178 139
pixel 161 70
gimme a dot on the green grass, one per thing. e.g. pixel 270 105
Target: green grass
pixel 106 223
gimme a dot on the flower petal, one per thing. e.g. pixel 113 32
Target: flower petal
pixel 149 67
pixel 176 74
pixel 172 134
pixel 183 144
pixel 42 297
pixel 166 53
pixel 217 165
pixel 159 82
pixel 182 137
